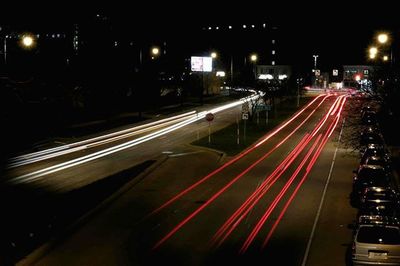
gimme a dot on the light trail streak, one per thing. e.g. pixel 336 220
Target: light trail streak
pixel 216 171
pixel 96 155
pixel 216 195
pixel 277 199
pixel 251 201
pixel 308 170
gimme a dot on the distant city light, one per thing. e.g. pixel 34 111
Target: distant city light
pixel 253 57
pixel 385 58
pixel 220 74
pixel 155 51
pixel 284 76
pixel 209 28
pixel 273 63
pixel 28 41
pixel 373 50
pixel 214 55
pixel 264 25
pixel 383 38
pixel 372 56
pixel 253 26
pixel 265 76
pixel 230 27
pixel 217 28
pixel 244 26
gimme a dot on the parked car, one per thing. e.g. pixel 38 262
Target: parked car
pixel 376 242
pixel 377 160
pixel 375 150
pixel 379 201
pixel 371 138
pixel 369 176
pixel 369 118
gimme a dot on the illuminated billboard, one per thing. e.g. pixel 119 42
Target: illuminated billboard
pixel 201 64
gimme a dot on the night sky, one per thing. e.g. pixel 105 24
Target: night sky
pixel 340 32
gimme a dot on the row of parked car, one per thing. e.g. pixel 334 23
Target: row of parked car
pixel 377 230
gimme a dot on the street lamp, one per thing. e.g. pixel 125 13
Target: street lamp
pixel 253 58
pixel 28 41
pixel 383 38
pixel 315 61
pixel 315 69
pixel 373 51
pixel 214 55
pixel 385 58
pixel 155 51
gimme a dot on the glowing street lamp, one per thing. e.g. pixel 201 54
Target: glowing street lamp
pixel 253 58
pixel 155 51
pixel 28 41
pixel 373 51
pixel 383 38
pixel 372 56
pixel 385 58
pixel 214 55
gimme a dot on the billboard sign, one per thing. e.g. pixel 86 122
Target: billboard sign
pixel 201 64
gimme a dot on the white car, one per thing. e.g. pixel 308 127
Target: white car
pixel 376 242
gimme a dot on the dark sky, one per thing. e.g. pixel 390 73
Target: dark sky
pixel 340 31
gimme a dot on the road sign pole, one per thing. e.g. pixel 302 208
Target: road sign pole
pixel 209 132
pixel 258 118
pixel 238 131
pixel 244 132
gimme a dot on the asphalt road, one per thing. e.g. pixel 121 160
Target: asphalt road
pixel 284 223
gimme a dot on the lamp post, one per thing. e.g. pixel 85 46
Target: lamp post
pixel 253 59
pixel 5 49
pixel 315 69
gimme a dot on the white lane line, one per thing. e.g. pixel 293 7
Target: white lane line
pixel 310 239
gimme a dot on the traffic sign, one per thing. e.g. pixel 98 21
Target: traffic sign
pixel 210 117
pixel 245 116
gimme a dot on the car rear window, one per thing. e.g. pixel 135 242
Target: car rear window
pixel 378 235
pixel 371 173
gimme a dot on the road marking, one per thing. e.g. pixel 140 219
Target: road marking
pixel 322 201
pixel 184 154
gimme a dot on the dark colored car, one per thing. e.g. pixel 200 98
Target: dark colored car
pixel 369 176
pixel 375 150
pixel 371 138
pixel 369 118
pixel 379 201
